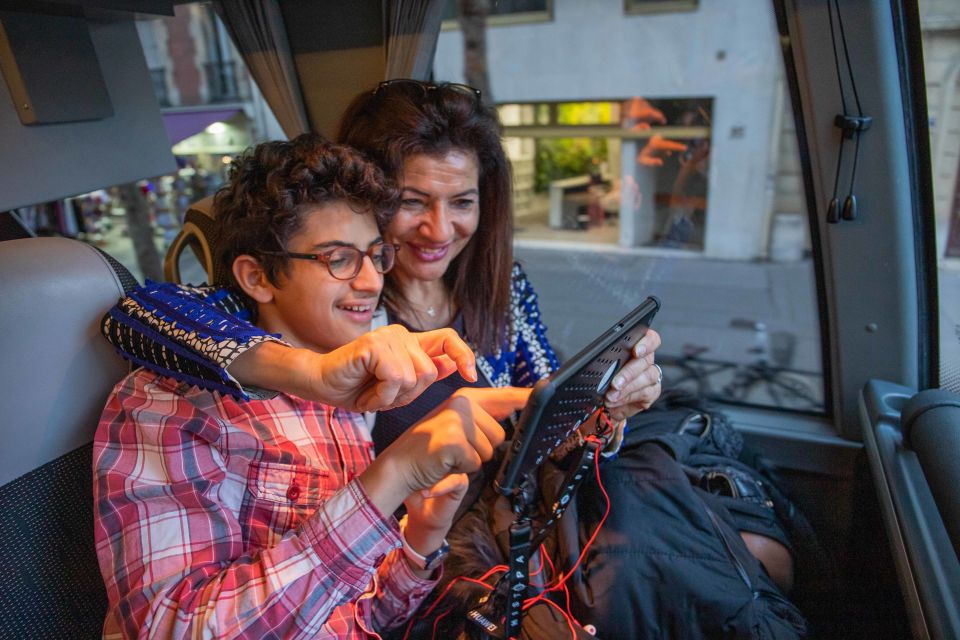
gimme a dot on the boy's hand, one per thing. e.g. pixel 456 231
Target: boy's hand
pixel 499 402
pixel 382 369
pixel 391 366
pixel 430 512
pixel 456 438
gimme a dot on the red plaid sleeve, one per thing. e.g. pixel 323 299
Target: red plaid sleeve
pixel 173 537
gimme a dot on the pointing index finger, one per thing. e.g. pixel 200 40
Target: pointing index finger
pixel 446 342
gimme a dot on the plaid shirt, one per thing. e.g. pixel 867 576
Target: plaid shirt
pixel 216 518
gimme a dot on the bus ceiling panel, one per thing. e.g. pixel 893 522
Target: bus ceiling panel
pixel 45 162
pixel 846 64
pixel 120 9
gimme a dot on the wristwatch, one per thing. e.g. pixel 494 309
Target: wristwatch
pixel 424 563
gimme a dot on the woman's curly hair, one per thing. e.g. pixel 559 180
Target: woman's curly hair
pixel 272 186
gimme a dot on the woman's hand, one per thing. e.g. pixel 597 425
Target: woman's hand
pixel 637 385
pixel 499 402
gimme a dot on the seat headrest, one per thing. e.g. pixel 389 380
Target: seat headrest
pixel 201 233
pixel 57 369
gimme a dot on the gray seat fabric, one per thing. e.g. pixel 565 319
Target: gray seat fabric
pixel 55 376
pixel 930 421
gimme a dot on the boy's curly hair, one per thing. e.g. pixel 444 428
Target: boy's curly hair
pixel 272 186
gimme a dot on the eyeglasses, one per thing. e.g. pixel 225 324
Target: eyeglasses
pixel 344 263
pixel 428 87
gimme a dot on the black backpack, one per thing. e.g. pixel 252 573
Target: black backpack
pixel 668 562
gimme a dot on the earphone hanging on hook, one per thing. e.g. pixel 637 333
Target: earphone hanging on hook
pixel 851 126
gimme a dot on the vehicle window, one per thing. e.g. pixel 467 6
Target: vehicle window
pixel 500 12
pixel 941 58
pixel 211 109
pixel 654 153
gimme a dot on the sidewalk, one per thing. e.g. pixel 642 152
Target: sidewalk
pixel 705 302
pixel 583 292
pixel 117 243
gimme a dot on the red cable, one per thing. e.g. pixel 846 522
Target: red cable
pixel 499 567
pixel 607 423
pixel 436 602
pixel 437 622
pixel 566 618
pixel 562 583
pixel 542 556
pixel 553 569
pixel 583 552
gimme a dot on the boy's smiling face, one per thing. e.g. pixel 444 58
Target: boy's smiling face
pixel 309 307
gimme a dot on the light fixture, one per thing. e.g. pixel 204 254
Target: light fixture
pixel 216 128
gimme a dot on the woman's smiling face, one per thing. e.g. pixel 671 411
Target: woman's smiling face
pixel 438 215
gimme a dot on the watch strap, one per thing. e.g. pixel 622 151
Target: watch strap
pixel 428 562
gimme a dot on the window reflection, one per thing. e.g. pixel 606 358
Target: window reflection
pixel 630 172
pixel 655 153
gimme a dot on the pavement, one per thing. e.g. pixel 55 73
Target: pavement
pixel 730 307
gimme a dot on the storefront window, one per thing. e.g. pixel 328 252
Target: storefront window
pixel 636 175
pixel 503 12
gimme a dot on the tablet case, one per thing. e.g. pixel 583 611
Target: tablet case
pixel 561 401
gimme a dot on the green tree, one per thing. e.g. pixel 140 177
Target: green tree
pixel 559 158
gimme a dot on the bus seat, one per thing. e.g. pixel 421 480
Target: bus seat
pixel 56 375
pixel 930 422
pixel 911 440
pixel 200 233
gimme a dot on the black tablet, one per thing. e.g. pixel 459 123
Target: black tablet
pixel 561 401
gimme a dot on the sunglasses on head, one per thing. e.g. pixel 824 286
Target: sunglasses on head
pixel 430 89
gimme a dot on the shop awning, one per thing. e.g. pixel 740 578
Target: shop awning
pixel 183 124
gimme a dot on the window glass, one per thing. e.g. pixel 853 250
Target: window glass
pixel 211 109
pixel 662 160
pixel 651 6
pixel 500 11
pixel 939 21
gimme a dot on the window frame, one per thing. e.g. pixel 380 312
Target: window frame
pixel 875 314
pixel 643 8
pixel 507 19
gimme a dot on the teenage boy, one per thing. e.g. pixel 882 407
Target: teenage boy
pixel 270 518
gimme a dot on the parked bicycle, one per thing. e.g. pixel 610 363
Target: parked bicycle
pixel 764 380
